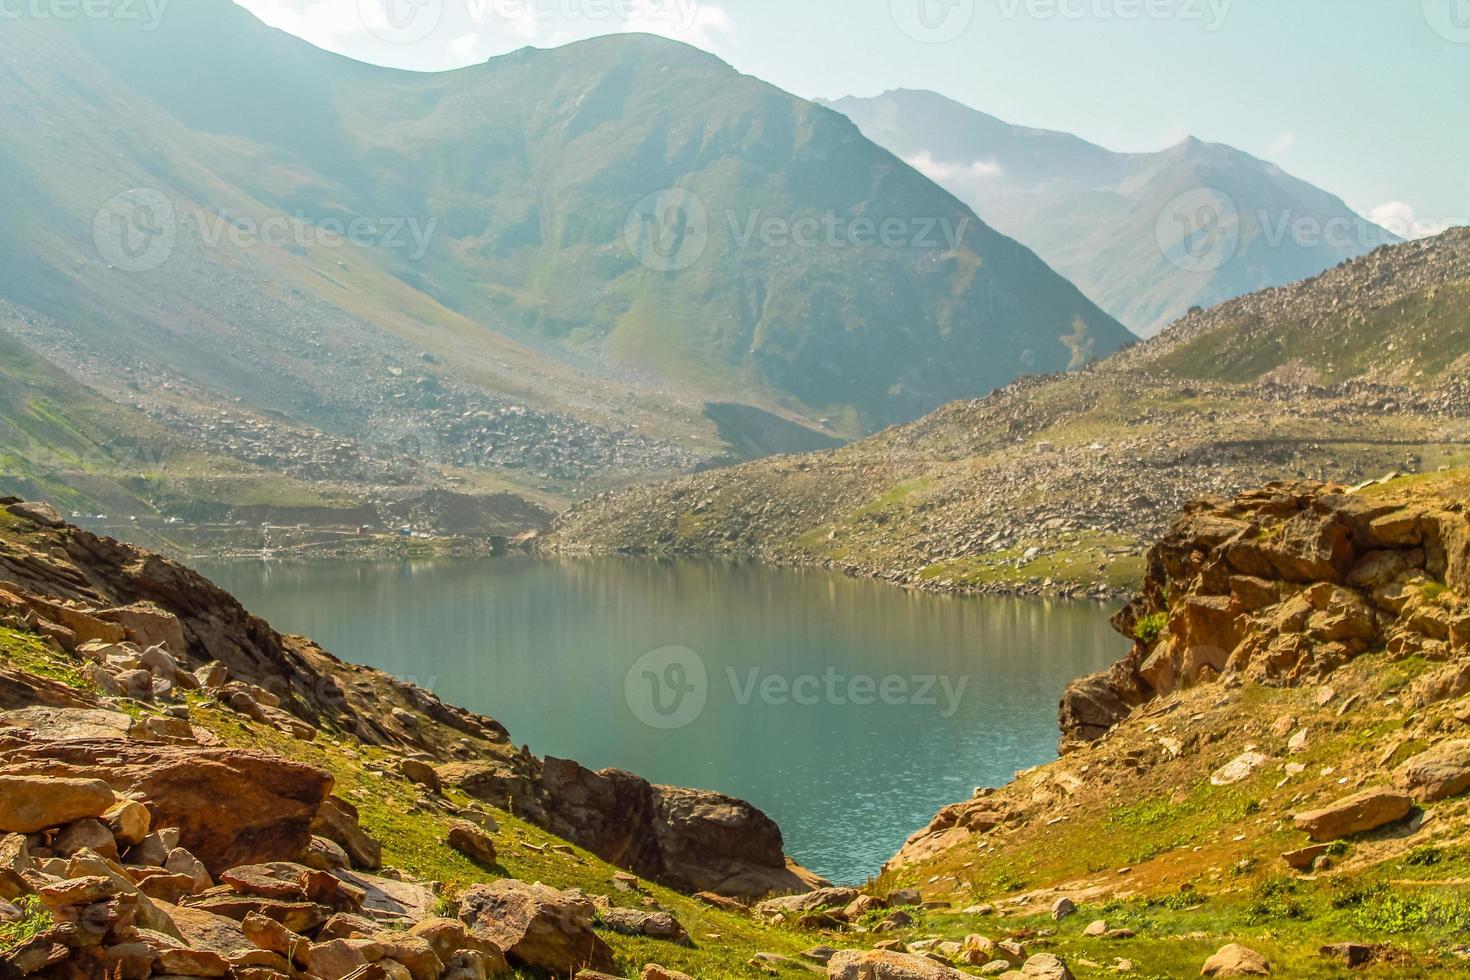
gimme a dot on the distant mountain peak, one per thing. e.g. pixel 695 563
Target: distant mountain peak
pixel 1124 226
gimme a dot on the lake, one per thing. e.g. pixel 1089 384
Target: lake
pixel 848 710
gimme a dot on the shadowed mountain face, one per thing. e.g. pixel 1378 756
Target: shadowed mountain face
pixel 1146 235
pixel 573 228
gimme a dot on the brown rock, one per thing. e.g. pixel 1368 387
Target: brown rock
pixel 635 922
pixel 420 773
pixel 1355 814
pixel 653 971
pixel 193 963
pixel 233 807
pixel 1436 774
pixel 414 952
pixel 337 820
pixel 90 835
pixel 148 624
pixel 1303 858
pixel 1046 966
pixel 299 917
pixel 536 926
pixel 1235 960
pixel 472 842
pixel 129 821
pixel 325 855
pixel 30 804
pixel 852 964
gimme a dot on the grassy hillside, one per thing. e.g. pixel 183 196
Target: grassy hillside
pixel 1055 483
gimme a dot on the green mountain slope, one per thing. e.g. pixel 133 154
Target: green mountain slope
pixel 1146 235
pixel 525 177
pixel 1055 482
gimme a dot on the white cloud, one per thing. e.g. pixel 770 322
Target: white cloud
pixel 691 21
pixel 1402 220
pixel 464 47
pixel 1281 144
pixel 322 22
pixel 944 173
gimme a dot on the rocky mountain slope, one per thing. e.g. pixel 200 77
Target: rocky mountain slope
pixel 508 252
pixel 1057 483
pixel 1292 806
pixel 1146 235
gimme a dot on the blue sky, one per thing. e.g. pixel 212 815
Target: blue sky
pixel 1369 99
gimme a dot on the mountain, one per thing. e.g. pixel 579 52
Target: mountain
pixel 1055 483
pixel 1145 235
pixel 559 267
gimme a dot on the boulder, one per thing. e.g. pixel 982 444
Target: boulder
pixel 1235 960
pixel 148 625
pixel 1355 814
pixel 30 804
pixel 537 926
pixel 450 937
pixel 472 842
pixel 420 773
pixel 129 821
pixel 1239 769
pixel 337 820
pixel 232 807
pixel 636 922
pixel 325 855
pixel 880 964
pixel 811 901
pixel 90 834
pixel 1046 966
pixel 37 513
pixel 655 972
pixel 1436 774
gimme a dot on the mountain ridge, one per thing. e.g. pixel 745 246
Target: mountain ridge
pixel 1146 235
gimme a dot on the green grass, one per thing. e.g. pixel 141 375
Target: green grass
pixel 1151 627
pixel 34 920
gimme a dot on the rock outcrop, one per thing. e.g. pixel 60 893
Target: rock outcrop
pixel 1282 586
pixel 687 839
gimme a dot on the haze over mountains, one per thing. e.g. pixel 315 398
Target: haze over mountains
pixel 1055 483
pixel 604 238
pixel 1145 235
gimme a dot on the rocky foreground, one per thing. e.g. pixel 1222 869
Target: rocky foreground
pixel 1274 782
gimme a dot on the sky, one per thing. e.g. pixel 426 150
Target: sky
pixel 1368 99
